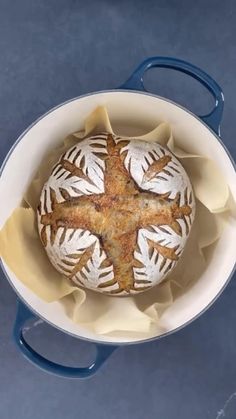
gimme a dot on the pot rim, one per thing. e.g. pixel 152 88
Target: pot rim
pixel 116 343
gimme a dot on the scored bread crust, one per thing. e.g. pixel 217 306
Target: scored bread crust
pixel 115 214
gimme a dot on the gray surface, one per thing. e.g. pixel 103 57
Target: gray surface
pixel 52 51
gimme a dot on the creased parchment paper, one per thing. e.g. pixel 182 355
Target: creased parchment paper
pixel 21 249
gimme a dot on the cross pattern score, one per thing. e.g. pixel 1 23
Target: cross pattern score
pixel 115 214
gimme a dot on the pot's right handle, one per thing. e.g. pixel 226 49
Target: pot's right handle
pixel 24 314
pixel 213 119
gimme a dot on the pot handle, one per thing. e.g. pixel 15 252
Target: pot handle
pixel 24 314
pixel 135 82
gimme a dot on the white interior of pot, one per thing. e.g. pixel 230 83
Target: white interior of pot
pixel 130 113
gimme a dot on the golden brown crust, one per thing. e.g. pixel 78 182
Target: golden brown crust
pixel 116 216
pixel 157 167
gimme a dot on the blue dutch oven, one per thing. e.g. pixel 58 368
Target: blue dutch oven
pixel 129 103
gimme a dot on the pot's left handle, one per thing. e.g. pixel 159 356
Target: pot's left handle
pixel 24 314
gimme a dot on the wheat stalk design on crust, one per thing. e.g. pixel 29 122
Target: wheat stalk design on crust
pixel 115 214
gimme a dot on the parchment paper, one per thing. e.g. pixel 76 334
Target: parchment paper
pixel 21 249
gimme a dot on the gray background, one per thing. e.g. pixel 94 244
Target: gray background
pixel 51 51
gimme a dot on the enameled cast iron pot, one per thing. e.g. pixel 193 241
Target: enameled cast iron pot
pixel 130 105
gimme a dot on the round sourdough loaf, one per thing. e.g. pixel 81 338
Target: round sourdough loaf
pixel 115 214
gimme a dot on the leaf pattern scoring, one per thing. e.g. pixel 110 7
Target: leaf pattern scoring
pixel 115 214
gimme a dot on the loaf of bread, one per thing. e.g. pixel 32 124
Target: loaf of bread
pixel 115 214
